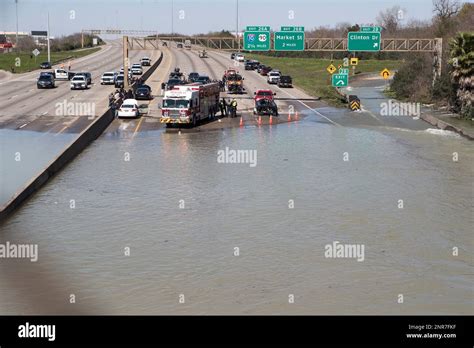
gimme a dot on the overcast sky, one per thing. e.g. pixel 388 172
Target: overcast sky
pixel 195 16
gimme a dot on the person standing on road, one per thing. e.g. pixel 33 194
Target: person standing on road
pixel 225 105
pixel 233 105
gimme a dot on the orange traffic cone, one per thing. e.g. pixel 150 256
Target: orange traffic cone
pixel 296 115
pixel 259 120
pixel 271 119
pixel 289 117
pixel 241 121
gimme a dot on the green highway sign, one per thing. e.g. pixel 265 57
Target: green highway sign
pixel 256 40
pixel 371 29
pixel 344 71
pixel 359 41
pixel 340 80
pixel 288 28
pixel 257 28
pixel 289 41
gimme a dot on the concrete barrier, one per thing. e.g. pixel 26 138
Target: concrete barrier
pixel 92 132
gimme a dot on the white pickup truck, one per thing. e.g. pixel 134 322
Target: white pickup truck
pixel 273 77
pixel 79 82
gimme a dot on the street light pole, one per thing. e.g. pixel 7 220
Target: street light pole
pixel 49 51
pixel 16 39
pixel 172 17
pixel 237 26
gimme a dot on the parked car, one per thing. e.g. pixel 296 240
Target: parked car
pixel 45 65
pixel 45 80
pixel 87 75
pixel 192 77
pixel 273 77
pixel 108 78
pixel 129 108
pixel 137 69
pixel 203 79
pixel 285 81
pixel 119 81
pixel 79 82
pixel 143 93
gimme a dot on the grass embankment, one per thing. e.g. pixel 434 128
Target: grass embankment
pixel 7 60
pixel 310 74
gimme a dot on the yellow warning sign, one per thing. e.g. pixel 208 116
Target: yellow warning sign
pixel 354 61
pixel 385 73
pixel 331 69
pixel 355 105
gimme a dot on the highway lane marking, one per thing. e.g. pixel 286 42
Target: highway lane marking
pixel 23 125
pixel 13 97
pixel 137 128
pixel 44 113
pixel 67 125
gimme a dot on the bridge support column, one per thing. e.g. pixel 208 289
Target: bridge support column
pixel 437 59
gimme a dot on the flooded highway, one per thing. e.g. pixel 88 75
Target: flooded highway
pixel 151 222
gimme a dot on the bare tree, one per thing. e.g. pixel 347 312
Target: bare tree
pixel 389 19
pixel 445 9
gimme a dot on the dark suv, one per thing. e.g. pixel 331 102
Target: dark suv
pixel 192 77
pixel 285 81
pixel 45 81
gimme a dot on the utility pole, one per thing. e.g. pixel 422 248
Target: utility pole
pixel 237 26
pixel 16 39
pixel 172 17
pixel 125 63
pixel 49 51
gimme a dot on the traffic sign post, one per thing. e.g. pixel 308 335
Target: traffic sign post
pixel 257 38
pixel 35 53
pixel 340 80
pixel 361 41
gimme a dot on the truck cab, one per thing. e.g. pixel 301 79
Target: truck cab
pixel 264 94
